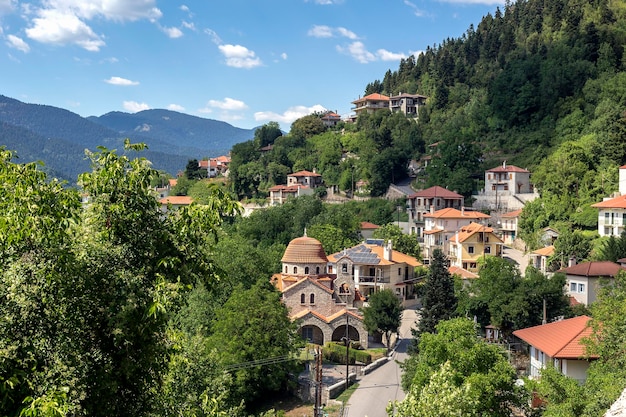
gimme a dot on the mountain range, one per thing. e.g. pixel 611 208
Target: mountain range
pixel 58 137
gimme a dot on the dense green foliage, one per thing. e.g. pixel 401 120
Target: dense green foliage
pixel 383 314
pixel 458 374
pixel 439 301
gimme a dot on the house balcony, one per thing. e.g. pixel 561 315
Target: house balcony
pixel 371 280
pixel 619 222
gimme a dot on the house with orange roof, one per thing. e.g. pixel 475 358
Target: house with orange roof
pixel 370 104
pixel 305 178
pixel 507 188
pixel 441 225
pixel 324 305
pixel 612 210
pixel 540 259
pixel 427 202
pixel 583 281
pixel 174 202
pixel 215 166
pixel 368 229
pixel 559 344
pixel 280 193
pixel 374 266
pixel 466 276
pixel 472 242
pixel 330 119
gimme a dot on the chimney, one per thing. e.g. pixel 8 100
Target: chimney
pixel 462 211
pixel 504 164
pixel 432 208
pixel 387 251
pixel 572 261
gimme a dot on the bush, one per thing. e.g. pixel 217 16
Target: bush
pixel 336 353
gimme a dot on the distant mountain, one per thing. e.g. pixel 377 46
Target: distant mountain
pixel 59 137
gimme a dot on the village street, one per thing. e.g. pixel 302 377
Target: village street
pixel 382 385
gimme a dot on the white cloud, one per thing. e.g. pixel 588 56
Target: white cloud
pixel 189 25
pixel 358 51
pixel 416 11
pixel 6 6
pixel 184 8
pixel 134 107
pixel 289 116
pixel 61 28
pixel 214 37
pixel 229 104
pixel 120 10
pixel 175 107
pixel 486 2
pixel 17 43
pixel 120 81
pixel 323 31
pixel 283 55
pixel 385 55
pixel 239 56
pixel 172 32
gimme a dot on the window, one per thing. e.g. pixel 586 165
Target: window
pixel 344 268
pixel 470 249
pixel 307 333
pixel 581 288
pixel 306 270
pixel 286 269
pixel 330 269
pixel 312 298
pixel 295 269
pixel 302 298
pixel 572 287
pixel 317 270
pixel 487 249
pixel 399 271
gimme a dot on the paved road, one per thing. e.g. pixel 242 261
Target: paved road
pixel 517 257
pixel 382 385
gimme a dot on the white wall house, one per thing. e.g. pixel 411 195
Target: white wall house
pixel 583 281
pixel 559 344
pixel 612 210
pixel 507 188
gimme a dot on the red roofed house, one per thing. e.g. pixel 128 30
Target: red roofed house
pixel 175 202
pixel 507 187
pixel 472 242
pixel 306 178
pixel 374 266
pixel 330 119
pixel 368 229
pixel 215 166
pixel 298 184
pixel 370 103
pixel 612 211
pixel 558 344
pixel 428 201
pixel 322 303
pixel 582 281
pixel 442 224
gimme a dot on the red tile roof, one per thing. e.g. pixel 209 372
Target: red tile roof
pixel 547 251
pixel 467 231
pixel 372 97
pixel 463 273
pixel 561 339
pixel 594 269
pixel 304 173
pixel 287 188
pixel 512 214
pixel 304 250
pixel 452 213
pixel 436 191
pixel 617 202
pixel 177 200
pixel 369 226
pixel 507 168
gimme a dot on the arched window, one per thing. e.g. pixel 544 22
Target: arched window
pixel 312 298
pixel 317 268
pixel 306 270
pixel 295 269
pixel 286 269
pixel 302 298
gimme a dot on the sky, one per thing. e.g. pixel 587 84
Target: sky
pixel 245 62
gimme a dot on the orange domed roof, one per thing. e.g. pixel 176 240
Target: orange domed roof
pixel 304 250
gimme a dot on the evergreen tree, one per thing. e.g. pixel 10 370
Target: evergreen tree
pixel 439 301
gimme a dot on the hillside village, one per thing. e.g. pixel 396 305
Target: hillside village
pixel 480 188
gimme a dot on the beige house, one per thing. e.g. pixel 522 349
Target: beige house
pixel 441 225
pixel 305 178
pixel 280 193
pixel 472 242
pixel 507 188
pixel 428 201
pixel 558 344
pixel 374 266
pixel 407 104
pixel 508 226
pixel 323 304
pixel 612 211
pixel 330 119
pixel 539 259
pixel 370 104
pixel 582 281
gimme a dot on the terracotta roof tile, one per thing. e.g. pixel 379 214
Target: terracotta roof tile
pixel 452 213
pixel 304 250
pixel 463 273
pixel 304 173
pixel 547 251
pixel 512 214
pixel 594 269
pixel 372 97
pixel 177 200
pixel 561 339
pixel 617 202
pixel 507 168
pixel 436 191
pixel 368 225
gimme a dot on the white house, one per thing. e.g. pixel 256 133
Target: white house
pixel 507 187
pixel 583 281
pixel 559 344
pixel 612 211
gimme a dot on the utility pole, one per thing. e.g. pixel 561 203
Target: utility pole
pixel 318 382
pixel 347 352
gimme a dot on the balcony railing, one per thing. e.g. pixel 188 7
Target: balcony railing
pixel 370 279
pixel 612 222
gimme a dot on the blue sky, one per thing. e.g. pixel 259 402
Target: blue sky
pixel 246 62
